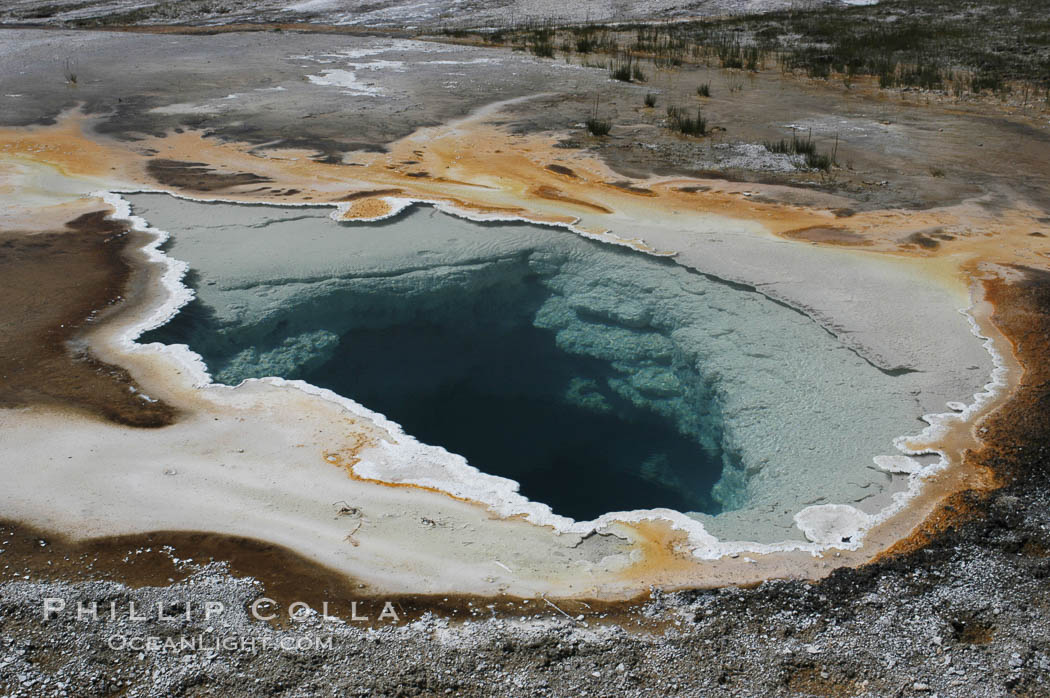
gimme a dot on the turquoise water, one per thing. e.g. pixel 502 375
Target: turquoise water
pixel 473 363
pixel 598 378
pixel 484 381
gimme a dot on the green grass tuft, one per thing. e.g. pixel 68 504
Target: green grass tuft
pixel 683 123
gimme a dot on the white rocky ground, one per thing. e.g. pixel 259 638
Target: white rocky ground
pixel 402 14
pixel 970 622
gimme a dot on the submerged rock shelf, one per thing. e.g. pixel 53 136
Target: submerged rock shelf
pixel 598 378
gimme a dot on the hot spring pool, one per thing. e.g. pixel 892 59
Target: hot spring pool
pixel 598 378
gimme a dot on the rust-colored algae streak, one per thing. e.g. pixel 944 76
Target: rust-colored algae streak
pixel 552 194
pixel 1022 311
pixel 65 146
pixel 486 208
pixel 664 554
pixel 53 284
pixel 954 510
pixel 485 169
pixel 965 232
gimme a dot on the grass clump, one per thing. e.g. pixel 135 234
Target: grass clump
pixel 819 161
pixel 598 127
pixel 805 147
pixel 666 49
pixel 650 100
pixel 626 69
pixel 592 39
pixel 796 146
pixel 70 73
pixel 595 125
pixel 704 90
pixel 933 45
pixel 680 121
pixel 998 46
pixel 620 69
pixel 541 41
pixel 585 44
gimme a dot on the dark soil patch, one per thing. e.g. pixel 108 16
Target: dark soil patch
pixel 196 176
pixel 827 234
pixel 562 170
pixel 369 194
pixel 53 284
pixel 628 187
